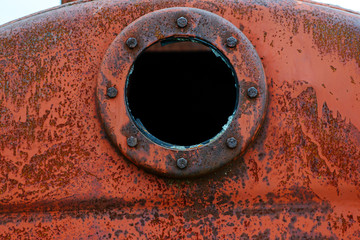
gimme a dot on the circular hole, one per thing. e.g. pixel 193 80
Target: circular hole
pixel 181 92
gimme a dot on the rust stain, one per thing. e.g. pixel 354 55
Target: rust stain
pixel 61 177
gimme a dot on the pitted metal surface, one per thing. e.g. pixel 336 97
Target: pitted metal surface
pixel 61 176
pixel 209 28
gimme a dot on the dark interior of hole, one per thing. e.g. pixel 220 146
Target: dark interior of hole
pixel 181 97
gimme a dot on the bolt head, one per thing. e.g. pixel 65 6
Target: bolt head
pixel 182 22
pixel 131 42
pixel 231 42
pixel 111 92
pixel 252 92
pixel 231 143
pixel 132 141
pixel 181 163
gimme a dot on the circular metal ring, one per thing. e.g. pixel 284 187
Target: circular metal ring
pixel 201 158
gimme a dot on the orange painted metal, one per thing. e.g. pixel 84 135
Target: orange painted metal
pixel 204 157
pixel 66 1
pixel 62 177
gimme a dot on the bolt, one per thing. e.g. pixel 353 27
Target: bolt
pixel 111 92
pixel 131 42
pixel 181 163
pixel 132 141
pixel 252 92
pixel 231 42
pixel 182 22
pixel 231 143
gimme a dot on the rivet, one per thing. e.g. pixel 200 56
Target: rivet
pixel 182 22
pixel 231 42
pixel 132 141
pixel 131 42
pixel 231 143
pixel 111 92
pixel 252 92
pixel 181 163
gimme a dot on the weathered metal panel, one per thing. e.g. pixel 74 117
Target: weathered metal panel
pixel 61 176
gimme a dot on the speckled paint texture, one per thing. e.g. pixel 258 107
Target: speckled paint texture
pixel 61 177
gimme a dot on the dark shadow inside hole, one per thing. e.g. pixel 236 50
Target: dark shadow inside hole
pixel 182 93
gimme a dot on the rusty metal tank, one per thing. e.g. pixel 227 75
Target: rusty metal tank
pixel 183 119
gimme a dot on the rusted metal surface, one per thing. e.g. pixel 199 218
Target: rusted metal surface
pixel 62 177
pixel 67 1
pixel 202 158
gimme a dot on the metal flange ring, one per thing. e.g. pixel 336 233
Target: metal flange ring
pixel 178 161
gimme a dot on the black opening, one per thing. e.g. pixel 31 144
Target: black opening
pixel 181 92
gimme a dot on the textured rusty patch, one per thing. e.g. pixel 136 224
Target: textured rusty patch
pixel 202 26
pixel 60 176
